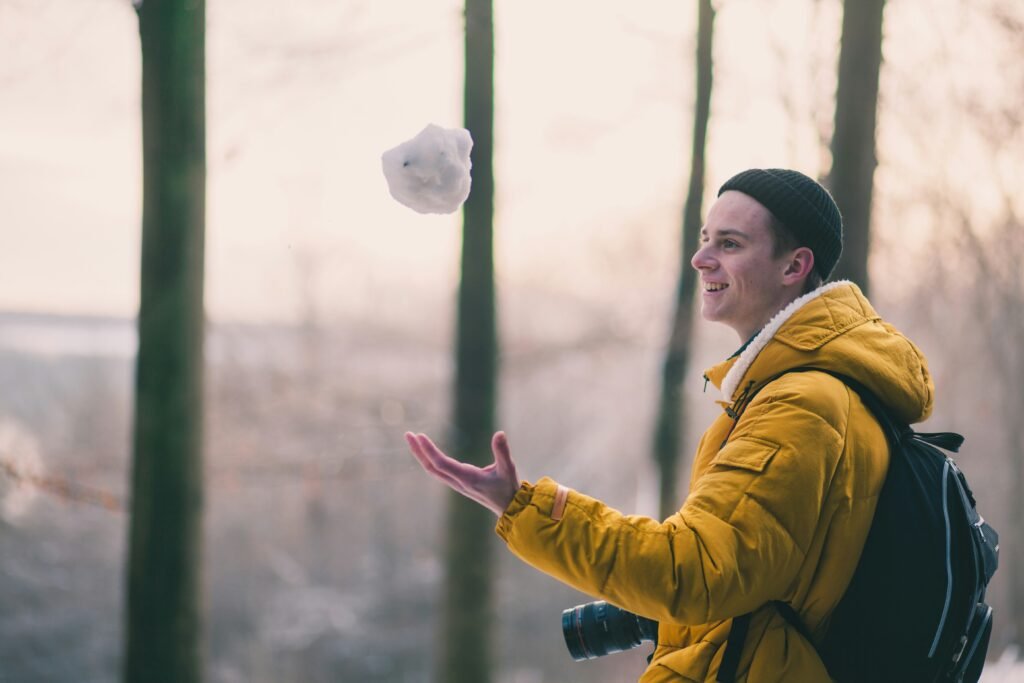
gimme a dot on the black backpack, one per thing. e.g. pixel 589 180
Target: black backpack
pixel 915 609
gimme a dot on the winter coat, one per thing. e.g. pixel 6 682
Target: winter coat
pixel 780 512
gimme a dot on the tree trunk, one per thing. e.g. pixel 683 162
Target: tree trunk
pixel 163 605
pixel 669 430
pixel 1006 328
pixel 1014 564
pixel 466 646
pixel 853 141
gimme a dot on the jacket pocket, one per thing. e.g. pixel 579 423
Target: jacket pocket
pixel 748 453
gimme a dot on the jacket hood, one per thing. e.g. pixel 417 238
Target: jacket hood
pixel 834 328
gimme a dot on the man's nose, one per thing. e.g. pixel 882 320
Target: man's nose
pixel 701 260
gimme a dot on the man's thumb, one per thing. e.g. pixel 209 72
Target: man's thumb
pixel 502 452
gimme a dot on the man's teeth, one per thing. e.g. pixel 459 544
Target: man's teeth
pixel 714 286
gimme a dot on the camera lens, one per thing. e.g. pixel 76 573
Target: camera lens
pixel 597 629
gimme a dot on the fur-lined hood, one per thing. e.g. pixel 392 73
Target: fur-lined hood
pixel 834 328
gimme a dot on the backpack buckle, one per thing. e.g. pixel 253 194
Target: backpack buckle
pixel 960 649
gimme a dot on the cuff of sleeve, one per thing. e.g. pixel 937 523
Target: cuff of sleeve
pixel 546 495
pixel 519 501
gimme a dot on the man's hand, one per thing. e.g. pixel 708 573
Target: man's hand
pixel 493 486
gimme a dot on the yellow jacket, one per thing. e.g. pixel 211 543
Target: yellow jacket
pixel 779 513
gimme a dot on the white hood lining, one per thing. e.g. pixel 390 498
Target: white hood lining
pixel 746 359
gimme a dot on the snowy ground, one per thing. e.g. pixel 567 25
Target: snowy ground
pixel 1004 670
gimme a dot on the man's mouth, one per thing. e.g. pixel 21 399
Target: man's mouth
pixel 714 286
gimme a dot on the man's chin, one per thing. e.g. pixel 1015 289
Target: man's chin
pixel 710 313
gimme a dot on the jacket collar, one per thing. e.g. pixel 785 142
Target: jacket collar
pixel 729 374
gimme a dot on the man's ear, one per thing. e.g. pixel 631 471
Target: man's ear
pixel 799 266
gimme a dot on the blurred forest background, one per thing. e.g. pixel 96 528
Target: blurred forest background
pixel 329 319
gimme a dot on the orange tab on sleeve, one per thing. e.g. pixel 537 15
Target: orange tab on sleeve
pixel 558 509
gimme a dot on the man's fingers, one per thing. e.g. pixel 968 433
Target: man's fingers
pixel 436 462
pixel 425 451
pixel 431 466
pixel 417 451
pixel 429 459
pixel 442 462
pixel 421 455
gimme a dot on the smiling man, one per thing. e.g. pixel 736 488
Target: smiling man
pixel 785 480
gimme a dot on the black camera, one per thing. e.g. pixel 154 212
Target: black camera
pixel 597 629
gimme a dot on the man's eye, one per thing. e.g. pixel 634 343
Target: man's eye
pixel 729 244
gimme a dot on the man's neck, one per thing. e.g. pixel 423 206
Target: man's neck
pixel 786 297
pixel 745 345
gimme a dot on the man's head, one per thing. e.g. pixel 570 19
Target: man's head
pixel 805 213
pixel 769 237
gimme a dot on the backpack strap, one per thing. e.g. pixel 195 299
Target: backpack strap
pixel 790 615
pixel 733 648
pixel 738 635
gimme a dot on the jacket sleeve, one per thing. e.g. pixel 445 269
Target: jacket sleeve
pixel 738 541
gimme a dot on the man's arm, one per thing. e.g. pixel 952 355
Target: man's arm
pixel 738 541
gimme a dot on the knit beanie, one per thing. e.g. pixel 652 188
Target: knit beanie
pixel 804 207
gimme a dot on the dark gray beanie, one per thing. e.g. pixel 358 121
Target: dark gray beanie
pixel 804 207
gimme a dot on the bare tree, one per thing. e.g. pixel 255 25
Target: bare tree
pixel 668 433
pixel 465 635
pixel 975 286
pixel 996 261
pixel 851 179
pixel 163 622
pixel 972 286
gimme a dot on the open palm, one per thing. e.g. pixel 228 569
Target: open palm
pixel 493 486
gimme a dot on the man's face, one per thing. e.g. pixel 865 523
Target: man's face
pixel 742 284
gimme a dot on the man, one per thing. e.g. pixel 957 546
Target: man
pixel 784 484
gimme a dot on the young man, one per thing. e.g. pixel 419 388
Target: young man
pixel 784 485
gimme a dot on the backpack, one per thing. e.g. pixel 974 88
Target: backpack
pixel 915 608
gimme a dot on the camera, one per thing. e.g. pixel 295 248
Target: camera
pixel 597 629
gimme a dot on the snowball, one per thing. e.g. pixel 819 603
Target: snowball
pixel 430 173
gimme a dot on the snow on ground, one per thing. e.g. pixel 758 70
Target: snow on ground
pixel 1006 669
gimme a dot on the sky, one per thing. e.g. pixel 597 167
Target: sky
pixel 593 123
pixel 592 127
